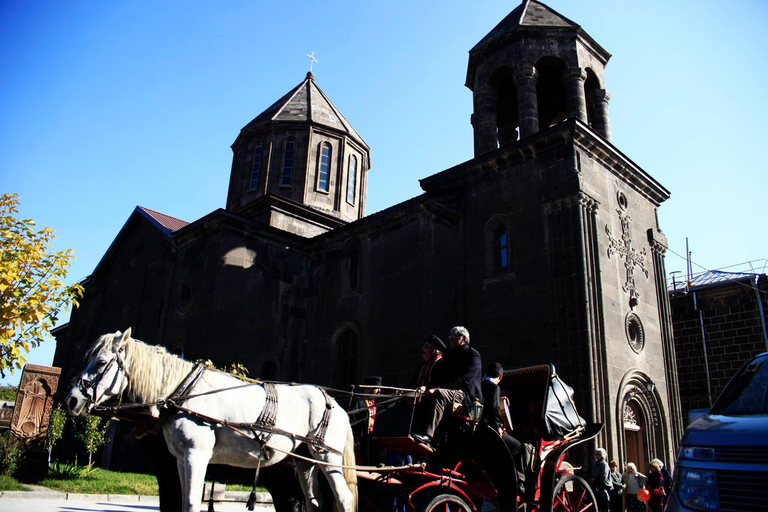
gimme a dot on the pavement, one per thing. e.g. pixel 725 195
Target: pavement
pixel 42 499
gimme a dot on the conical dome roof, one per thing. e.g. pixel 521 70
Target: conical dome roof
pixel 306 103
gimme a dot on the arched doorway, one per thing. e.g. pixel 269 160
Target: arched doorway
pixel 635 436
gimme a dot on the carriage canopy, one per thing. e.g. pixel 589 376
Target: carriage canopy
pixel 540 387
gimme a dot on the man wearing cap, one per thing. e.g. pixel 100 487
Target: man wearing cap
pixel 458 381
pixel 432 353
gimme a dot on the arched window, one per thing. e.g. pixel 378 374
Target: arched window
pixel 346 362
pixel 352 179
pixel 499 256
pixel 285 177
pixel 502 249
pixel 256 166
pixel 324 169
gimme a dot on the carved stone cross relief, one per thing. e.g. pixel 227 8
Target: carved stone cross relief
pixel 632 258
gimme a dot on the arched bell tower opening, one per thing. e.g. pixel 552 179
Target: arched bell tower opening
pixel 507 116
pixel 550 91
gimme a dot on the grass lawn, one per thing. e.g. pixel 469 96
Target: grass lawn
pixel 100 481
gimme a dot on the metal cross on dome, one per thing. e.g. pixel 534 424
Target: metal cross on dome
pixel 312 60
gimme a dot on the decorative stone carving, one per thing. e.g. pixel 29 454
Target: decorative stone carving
pixel 632 258
pixel 34 402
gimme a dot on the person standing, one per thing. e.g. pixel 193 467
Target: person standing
pixel 656 486
pixel 617 494
pixel 666 479
pixel 601 481
pixel 633 482
pixel 458 381
pixel 363 417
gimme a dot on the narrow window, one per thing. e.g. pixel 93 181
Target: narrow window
pixel 285 179
pixel 353 266
pixel 256 166
pixel 325 167
pixel 346 360
pixel 502 240
pixel 352 179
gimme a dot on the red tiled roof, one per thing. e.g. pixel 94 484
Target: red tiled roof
pixel 170 223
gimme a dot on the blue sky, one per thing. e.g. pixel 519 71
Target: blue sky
pixel 108 105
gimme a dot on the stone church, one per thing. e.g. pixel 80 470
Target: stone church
pixel 545 245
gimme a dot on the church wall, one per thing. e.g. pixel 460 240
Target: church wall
pixel 406 290
pixel 121 293
pixel 247 304
pixel 633 347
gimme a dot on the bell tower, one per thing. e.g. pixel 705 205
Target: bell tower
pixel 533 70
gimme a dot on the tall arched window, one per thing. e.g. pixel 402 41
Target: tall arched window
pixel 502 247
pixel 324 169
pixel 285 177
pixel 256 166
pixel 346 361
pixel 352 179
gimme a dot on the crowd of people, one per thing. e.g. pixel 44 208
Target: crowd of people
pixel 620 492
pixel 453 377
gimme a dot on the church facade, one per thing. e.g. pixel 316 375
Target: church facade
pixel 545 245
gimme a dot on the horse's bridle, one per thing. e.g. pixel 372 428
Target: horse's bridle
pixel 89 386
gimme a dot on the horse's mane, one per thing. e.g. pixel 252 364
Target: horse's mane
pixel 153 372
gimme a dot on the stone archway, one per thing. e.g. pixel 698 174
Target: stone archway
pixel 642 427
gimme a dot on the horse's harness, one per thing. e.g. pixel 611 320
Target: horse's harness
pixel 89 386
pixel 262 429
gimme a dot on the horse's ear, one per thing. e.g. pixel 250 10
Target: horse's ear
pixel 126 336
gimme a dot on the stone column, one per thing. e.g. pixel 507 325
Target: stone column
pixel 575 101
pixel 484 121
pixel 601 123
pixel 527 100
pixel 658 243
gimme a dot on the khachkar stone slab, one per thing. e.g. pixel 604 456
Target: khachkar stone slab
pixel 34 402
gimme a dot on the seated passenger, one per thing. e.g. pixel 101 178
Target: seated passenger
pixel 459 381
pixel 432 353
pixel 491 406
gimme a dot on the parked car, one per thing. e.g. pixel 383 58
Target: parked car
pixel 723 459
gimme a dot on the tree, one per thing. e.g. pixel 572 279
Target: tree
pixel 55 428
pixel 32 290
pixel 92 433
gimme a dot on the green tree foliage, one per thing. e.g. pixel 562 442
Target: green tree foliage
pixel 55 428
pixel 32 290
pixel 92 432
pixel 8 393
pixel 238 370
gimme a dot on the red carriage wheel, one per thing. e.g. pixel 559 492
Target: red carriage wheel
pixel 573 494
pixel 448 503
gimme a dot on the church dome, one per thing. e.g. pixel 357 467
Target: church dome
pixel 301 149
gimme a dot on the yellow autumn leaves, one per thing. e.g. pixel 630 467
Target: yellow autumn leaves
pixel 32 289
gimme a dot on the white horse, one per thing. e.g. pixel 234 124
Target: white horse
pixel 213 423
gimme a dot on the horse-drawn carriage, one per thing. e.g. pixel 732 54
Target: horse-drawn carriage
pixel 471 468
pixel 211 417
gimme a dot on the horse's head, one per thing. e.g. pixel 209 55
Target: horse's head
pixel 104 377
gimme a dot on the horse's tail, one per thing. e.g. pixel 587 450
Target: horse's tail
pixel 348 461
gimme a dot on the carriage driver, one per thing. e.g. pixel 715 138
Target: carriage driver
pixel 459 381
